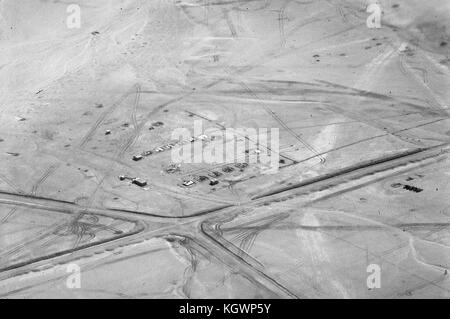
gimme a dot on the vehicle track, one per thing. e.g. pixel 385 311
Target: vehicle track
pixel 243 264
pixel 53 232
pixel 373 166
pixel 438 104
pixel 49 171
pixel 95 129
pixel 11 252
pixel 222 127
pixel 8 216
pixel 364 168
pixel 284 125
pixel 137 127
pixel 281 17
pixel 11 184
pixel 378 124
pixel 103 116
pixel 230 23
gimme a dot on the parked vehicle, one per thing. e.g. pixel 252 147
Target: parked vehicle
pixel 139 182
pixel 215 174
pixel 213 182
pixel 202 178
pixel 188 183
pixel 228 169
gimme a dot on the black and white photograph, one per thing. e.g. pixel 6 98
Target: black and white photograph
pixel 224 150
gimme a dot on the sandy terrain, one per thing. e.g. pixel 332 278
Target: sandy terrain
pixel 363 119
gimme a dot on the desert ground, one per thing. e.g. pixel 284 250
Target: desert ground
pixel 363 173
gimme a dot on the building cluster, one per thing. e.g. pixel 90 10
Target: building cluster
pixel 212 176
pixel 171 145
pixel 134 180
